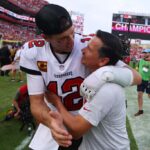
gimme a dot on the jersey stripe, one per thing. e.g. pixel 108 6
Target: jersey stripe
pixel 29 71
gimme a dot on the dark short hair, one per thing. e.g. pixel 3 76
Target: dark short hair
pixel 112 47
pixel 52 19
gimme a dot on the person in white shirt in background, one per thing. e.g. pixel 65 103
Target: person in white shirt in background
pixel 17 67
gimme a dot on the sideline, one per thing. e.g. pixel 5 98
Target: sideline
pixel 140 125
pixel 24 143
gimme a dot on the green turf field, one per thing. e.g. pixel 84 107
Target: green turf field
pixel 140 124
pixel 10 136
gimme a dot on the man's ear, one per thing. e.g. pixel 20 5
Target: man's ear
pixel 46 37
pixel 103 61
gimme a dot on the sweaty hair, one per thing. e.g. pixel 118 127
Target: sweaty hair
pixel 112 47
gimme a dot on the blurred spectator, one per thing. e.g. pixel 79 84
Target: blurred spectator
pixel 144 70
pixel 22 109
pixel 15 32
pixel 17 67
pixel 13 52
pixel 134 63
pixel 126 59
pixel 1 38
pixel 20 98
pixel 136 51
pixel 5 58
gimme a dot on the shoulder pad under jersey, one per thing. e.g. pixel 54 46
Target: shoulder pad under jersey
pixel 31 48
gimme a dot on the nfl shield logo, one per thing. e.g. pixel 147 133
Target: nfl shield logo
pixel 61 67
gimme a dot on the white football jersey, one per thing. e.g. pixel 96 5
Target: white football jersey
pixel 65 78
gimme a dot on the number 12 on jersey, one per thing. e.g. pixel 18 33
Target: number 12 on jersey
pixel 72 101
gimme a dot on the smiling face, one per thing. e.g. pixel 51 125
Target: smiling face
pixel 91 57
pixel 62 43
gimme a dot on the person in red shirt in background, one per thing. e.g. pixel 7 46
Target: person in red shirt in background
pixel 20 98
pixel 22 109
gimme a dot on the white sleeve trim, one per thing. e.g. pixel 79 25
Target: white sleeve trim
pixel 35 84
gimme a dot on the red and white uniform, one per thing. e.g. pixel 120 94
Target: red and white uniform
pixel 64 79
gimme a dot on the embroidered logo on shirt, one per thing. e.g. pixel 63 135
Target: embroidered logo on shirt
pixel 42 65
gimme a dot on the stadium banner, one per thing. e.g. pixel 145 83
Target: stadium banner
pixel 21 17
pixel 121 26
pixel 131 25
pixel 78 21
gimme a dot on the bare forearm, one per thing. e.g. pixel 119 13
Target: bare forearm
pixel 72 122
pixel 137 79
pixel 76 125
pixel 40 110
pixel 16 105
